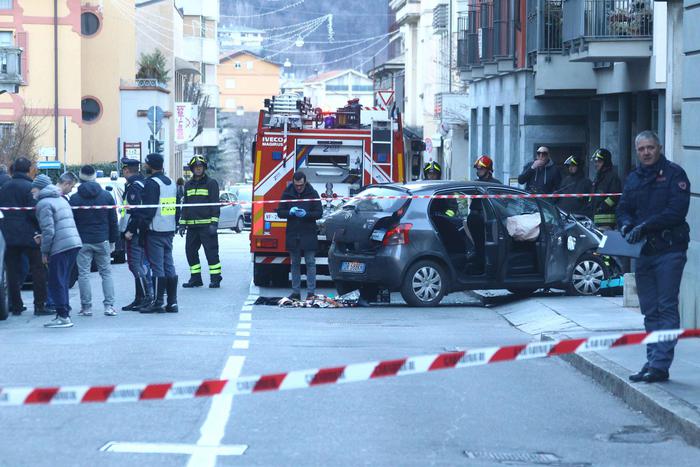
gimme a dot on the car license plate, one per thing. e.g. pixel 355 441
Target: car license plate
pixel 352 267
pixel 378 235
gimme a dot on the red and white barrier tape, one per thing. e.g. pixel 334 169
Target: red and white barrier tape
pixel 352 373
pixel 339 198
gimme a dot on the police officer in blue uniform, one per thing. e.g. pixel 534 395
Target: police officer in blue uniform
pixel 132 227
pixel 653 207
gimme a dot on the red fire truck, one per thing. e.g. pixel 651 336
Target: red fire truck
pixel 340 152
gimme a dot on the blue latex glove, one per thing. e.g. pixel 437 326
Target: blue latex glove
pixel 293 211
pixel 301 212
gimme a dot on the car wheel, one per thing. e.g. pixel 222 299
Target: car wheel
pixel 345 287
pixel 523 293
pixel 4 303
pixel 587 275
pixel 425 284
pixel 261 275
pixel 239 225
pixel 279 276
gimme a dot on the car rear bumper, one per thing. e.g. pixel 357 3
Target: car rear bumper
pixel 384 269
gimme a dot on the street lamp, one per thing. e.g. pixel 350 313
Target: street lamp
pixel 287 63
pixel 299 42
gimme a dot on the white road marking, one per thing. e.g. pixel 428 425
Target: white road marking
pixel 246 317
pixel 214 427
pixel 241 344
pixel 242 333
pixel 244 326
pixel 173 448
pixel 247 308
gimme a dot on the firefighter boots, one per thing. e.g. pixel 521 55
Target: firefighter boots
pixel 171 288
pixel 157 305
pixel 195 281
pixel 215 281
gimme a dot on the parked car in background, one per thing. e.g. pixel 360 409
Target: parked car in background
pixel 244 193
pixel 420 246
pixel 230 216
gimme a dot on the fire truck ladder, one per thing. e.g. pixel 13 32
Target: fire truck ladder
pixel 382 148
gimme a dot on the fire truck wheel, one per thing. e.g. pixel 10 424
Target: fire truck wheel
pixel 280 276
pixel 261 275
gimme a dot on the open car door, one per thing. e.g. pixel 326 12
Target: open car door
pixel 556 254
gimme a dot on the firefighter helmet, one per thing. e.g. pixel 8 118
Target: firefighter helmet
pixel 604 155
pixel 432 167
pixel 574 160
pixel 197 159
pixel 484 162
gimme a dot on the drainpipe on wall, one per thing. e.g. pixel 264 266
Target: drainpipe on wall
pixel 55 78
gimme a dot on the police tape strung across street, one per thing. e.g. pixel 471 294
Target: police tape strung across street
pixel 352 373
pixel 339 198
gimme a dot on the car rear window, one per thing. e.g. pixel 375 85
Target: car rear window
pixel 244 194
pixel 378 205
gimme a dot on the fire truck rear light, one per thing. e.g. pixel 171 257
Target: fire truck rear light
pixel 266 243
pixel 398 235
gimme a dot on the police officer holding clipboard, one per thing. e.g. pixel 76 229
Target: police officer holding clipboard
pixel 653 208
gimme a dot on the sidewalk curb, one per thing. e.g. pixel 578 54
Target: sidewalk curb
pixel 669 411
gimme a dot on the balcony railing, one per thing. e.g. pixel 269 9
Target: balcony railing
pixel 468 41
pixel 486 33
pixel 544 26
pixel 608 19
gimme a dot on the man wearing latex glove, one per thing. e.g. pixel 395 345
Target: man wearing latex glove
pixel 302 232
pixel 202 223
pixel 98 231
pixel 653 207
pixel 182 230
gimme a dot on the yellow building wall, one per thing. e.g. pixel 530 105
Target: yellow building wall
pixel 107 58
pixel 252 87
pixel 33 19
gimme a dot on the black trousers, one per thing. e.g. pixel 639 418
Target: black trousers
pixel 197 237
pixel 13 266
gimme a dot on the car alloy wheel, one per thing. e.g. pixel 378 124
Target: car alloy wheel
pixel 239 225
pixel 587 276
pixel 427 283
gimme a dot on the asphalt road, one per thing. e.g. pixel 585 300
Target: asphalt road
pixel 535 412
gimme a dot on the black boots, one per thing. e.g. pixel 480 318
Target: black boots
pixel 215 281
pixel 171 288
pixel 195 281
pixel 138 300
pixel 157 305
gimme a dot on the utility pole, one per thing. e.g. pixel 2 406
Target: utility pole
pixel 55 78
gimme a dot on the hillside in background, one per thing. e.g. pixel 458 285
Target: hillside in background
pixel 326 47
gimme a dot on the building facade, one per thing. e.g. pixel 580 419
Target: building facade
pixel 246 80
pixel 66 77
pixel 334 89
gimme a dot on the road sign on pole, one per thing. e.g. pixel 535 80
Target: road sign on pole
pixel 155 119
pixel 385 97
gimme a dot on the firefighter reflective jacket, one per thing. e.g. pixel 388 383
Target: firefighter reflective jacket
pixel 606 181
pixel 202 190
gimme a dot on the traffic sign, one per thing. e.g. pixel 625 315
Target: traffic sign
pixel 155 117
pixel 132 151
pixel 386 97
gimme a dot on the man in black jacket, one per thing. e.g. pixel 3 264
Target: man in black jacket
pixel 133 227
pixel 98 231
pixel 301 233
pixel 201 224
pixel 21 232
pixel 606 181
pixel 576 182
pixel 541 176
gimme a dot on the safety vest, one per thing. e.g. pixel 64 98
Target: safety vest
pixel 125 215
pixel 164 220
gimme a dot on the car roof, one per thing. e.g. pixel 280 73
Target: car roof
pixel 431 186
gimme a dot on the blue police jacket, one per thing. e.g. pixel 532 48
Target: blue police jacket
pixel 658 197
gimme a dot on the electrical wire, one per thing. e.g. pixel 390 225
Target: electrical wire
pixel 261 15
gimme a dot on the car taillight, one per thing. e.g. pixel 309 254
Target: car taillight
pixel 266 243
pixel 398 235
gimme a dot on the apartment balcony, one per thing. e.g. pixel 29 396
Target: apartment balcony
pixel 212 90
pixel 207 8
pixel 10 66
pixel 486 40
pixel 607 30
pixel 208 138
pixel 407 11
pixel 555 74
pixel 201 50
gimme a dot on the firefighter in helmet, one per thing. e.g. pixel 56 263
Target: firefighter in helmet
pixel 201 224
pixel 606 181
pixel 432 171
pixel 484 169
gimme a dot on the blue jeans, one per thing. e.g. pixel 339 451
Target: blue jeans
pixel 159 251
pixel 60 266
pixel 310 260
pixel 658 280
